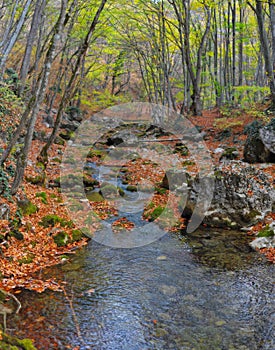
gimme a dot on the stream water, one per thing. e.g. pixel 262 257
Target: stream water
pixel 200 293
pixel 206 290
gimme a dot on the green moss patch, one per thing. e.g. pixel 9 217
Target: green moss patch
pixel 8 342
pixel 52 220
pixel 27 207
pixel 61 239
pixel 77 235
pixel 43 196
pixel 131 188
pixel 95 197
pixel 266 232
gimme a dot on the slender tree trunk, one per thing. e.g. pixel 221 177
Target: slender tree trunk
pixel 233 8
pixel 39 8
pixel 272 23
pixel 265 48
pixel 240 68
pixel 39 96
pixel 12 39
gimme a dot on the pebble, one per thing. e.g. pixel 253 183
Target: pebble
pixel 162 258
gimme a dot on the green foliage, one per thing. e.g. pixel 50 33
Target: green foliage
pixel 153 215
pixel 43 196
pixel 4 183
pixel 104 99
pixel 227 111
pixel 224 123
pixel 247 94
pixel 160 190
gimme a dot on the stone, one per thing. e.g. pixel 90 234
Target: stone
pixel 260 143
pixel 4 211
pixel 267 135
pixel 263 242
pixel 242 196
pixel 162 258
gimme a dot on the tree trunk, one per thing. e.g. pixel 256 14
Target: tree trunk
pixel 39 8
pixel 265 48
pixel 39 96
pixel 12 39
pixel 72 87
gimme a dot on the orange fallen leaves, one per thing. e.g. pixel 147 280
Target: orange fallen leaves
pixel 122 224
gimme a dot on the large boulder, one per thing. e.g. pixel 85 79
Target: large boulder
pixel 260 143
pixel 267 134
pixel 242 196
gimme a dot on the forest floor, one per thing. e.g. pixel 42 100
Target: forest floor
pixel 22 257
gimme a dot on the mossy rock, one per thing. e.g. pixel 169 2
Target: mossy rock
pixel 96 153
pixel 267 231
pixel 61 239
pixel 131 188
pixel 108 190
pixel 121 192
pixel 8 342
pixel 17 234
pixel 59 141
pixel 89 181
pixel 52 220
pixel 56 182
pixel 37 180
pixel 181 149
pixel 94 197
pixel 67 135
pixel 77 235
pixel 230 153
pixel 27 207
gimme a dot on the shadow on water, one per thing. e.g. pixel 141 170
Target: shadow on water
pixel 205 291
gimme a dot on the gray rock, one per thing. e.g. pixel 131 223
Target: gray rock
pixel 260 143
pixel 267 135
pixel 242 196
pixel 4 211
pixel 263 242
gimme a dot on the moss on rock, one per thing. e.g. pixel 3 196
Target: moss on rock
pixel 27 207
pixel 61 239
pixel 95 197
pixel 52 220
pixel 9 342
